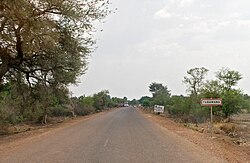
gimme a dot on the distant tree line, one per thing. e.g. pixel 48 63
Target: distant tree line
pixel 100 101
pixel 188 107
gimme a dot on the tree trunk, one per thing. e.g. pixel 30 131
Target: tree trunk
pixel 45 115
pixel 4 68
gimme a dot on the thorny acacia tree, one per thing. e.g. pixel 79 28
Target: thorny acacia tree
pixel 47 40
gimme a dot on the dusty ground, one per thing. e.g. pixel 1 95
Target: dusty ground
pixel 242 125
pixel 221 145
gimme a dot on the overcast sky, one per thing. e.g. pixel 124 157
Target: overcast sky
pixel 159 40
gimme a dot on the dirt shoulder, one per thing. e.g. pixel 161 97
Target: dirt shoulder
pixel 219 146
pixel 13 141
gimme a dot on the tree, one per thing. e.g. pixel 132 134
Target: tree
pixel 246 105
pixel 125 99
pixel 212 89
pixel 44 44
pixel 158 88
pixel 232 102
pixel 195 79
pixel 180 105
pixel 145 101
pixel 229 77
pixel 46 39
pixel 134 102
pixel 117 101
pixel 85 105
pixel 101 100
pixel 161 94
pixel 86 101
pixel 232 98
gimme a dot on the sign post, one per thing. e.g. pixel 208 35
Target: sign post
pixel 211 122
pixel 211 102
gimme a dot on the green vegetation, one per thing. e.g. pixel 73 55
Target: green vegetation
pixel 188 107
pixel 161 94
pixel 44 45
pixel 145 101
pixel 194 80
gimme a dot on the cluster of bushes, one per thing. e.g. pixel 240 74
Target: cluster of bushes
pixel 19 103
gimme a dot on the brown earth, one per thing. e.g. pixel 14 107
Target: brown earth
pixel 220 145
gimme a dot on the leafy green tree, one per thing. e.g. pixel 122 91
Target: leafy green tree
pixel 161 94
pixel 134 102
pixel 125 99
pixel 117 101
pixel 232 98
pixel 232 102
pixel 212 89
pixel 180 105
pixel 194 79
pixel 102 100
pixel 246 104
pixel 84 105
pixel 145 101
pixel 87 101
pixel 228 77
pixel 158 88
pixel 43 48
pixel 46 37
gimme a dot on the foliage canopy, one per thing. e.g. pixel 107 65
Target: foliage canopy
pixel 47 40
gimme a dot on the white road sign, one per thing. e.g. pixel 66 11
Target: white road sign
pixel 158 109
pixel 211 102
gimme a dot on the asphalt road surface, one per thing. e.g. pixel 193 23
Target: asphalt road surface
pixel 119 136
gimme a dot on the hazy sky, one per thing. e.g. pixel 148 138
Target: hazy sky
pixel 159 40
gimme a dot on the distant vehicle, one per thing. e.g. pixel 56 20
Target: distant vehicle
pixel 125 104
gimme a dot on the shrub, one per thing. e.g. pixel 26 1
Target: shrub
pixel 60 111
pixel 228 127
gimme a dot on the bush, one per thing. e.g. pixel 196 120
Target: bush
pixel 60 111
pixel 181 106
pixel 201 114
pixel 82 110
pixel 16 119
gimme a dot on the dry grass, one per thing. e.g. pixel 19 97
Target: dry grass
pixel 227 127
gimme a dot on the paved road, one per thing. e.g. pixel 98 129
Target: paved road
pixel 120 136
